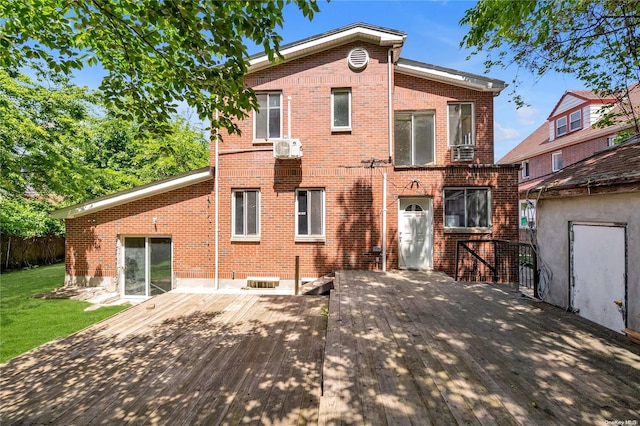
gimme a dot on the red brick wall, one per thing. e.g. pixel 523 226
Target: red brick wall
pixel 541 165
pixel 338 162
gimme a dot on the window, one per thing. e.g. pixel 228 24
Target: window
pixel 461 124
pixel 575 121
pixel 525 169
pixel 310 213
pixel 414 138
pixel 611 140
pixel 467 208
pixel 268 119
pixel 341 109
pixel 556 161
pixel 561 126
pixel 245 214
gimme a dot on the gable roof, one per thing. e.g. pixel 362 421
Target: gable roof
pixel 586 96
pixel 615 165
pixel 133 194
pixel 381 36
pixel 321 42
pixel 538 142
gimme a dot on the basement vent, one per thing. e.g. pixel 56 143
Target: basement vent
pixel 358 58
pixel 263 282
pixel 463 152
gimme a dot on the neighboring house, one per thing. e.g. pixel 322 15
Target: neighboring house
pixel 568 136
pixel 588 218
pixel 357 159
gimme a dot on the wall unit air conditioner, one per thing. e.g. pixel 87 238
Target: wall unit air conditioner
pixel 287 148
pixel 463 152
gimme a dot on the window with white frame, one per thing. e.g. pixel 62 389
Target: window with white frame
pixel 611 140
pixel 268 119
pixel 310 213
pixel 525 169
pixel 561 126
pixel 556 161
pixel 461 124
pixel 245 214
pixel 340 109
pixel 575 121
pixel 414 137
pixel 467 208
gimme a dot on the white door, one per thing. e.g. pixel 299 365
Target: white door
pixel 415 233
pixel 598 269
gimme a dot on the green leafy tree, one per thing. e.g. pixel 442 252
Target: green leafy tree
pixel 597 41
pixel 42 133
pixel 156 52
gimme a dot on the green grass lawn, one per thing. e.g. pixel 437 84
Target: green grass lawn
pixel 26 322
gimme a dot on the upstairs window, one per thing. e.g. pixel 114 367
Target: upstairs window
pixel 556 161
pixel 309 214
pixel 245 214
pixel 461 124
pixel 467 208
pixel 525 169
pixel 414 138
pixel 341 109
pixel 268 119
pixel 575 121
pixel 561 126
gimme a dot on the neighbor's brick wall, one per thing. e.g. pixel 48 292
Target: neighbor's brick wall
pixel 540 165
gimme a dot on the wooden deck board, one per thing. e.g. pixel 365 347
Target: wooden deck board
pixel 399 348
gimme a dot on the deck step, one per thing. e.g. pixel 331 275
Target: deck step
pixel 318 287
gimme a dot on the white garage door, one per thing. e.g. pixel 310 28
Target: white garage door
pixel 598 271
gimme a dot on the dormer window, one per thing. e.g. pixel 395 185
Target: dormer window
pixel 561 126
pixel 575 121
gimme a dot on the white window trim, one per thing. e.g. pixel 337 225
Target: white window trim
pixel 553 161
pixel 413 114
pixel 527 212
pixel 571 121
pixel 340 128
pixel 255 116
pixel 473 123
pixel 312 238
pixel 464 229
pixel 525 168
pixel 234 236
pixel 611 140
pixel 558 125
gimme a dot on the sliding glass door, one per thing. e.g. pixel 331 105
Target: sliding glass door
pixel 147 266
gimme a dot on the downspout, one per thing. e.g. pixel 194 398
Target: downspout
pixel 216 282
pixel 390 95
pixel 384 222
pixel 289 117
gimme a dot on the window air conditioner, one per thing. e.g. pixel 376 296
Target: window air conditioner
pixel 287 148
pixel 463 152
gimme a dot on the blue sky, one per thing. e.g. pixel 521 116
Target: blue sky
pixel 433 36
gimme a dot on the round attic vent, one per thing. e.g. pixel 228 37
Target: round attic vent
pixel 358 58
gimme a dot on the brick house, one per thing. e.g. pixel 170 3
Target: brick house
pixel 568 136
pixel 357 159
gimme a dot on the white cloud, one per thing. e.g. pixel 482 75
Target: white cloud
pixel 528 116
pixel 502 134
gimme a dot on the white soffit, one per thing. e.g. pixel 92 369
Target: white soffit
pixel 450 76
pixel 133 194
pixel 328 40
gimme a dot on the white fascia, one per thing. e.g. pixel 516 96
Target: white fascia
pixel 321 43
pixel 134 194
pixel 448 76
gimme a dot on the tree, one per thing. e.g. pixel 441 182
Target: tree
pixel 597 41
pixel 156 52
pixel 42 133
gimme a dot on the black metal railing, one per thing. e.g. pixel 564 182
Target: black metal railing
pixel 497 261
